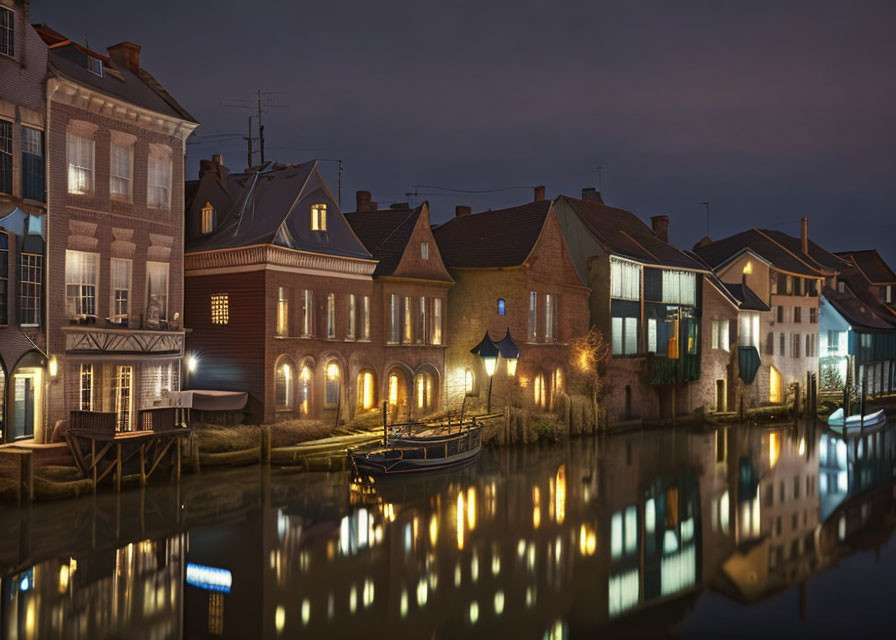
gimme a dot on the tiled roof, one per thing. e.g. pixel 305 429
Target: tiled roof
pixel 856 312
pixel 502 238
pixel 69 59
pixel 718 252
pixel 818 257
pixel 871 264
pixel 385 234
pixel 625 234
pixel 748 300
pixel 274 207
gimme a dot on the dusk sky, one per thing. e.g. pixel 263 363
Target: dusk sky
pixel 768 110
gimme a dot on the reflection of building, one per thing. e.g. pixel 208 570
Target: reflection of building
pixel 134 592
pixel 23 66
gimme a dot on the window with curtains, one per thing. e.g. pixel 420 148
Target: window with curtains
pixel 533 316
pixel 7 32
pixel 5 156
pixel 80 283
pixel 31 269
pixel 120 289
pixel 720 335
pixel 352 319
pixel 33 164
pixel 365 318
pixel 158 177
pixel 121 168
pixel 436 321
pixel 307 312
pixel 624 321
pixel 652 325
pixel 421 321
pixel 4 278
pixel 80 153
pixel 282 311
pixel 157 290
pixel 679 287
pixel 86 387
pixel 393 319
pixel 550 317
pixel 331 316
pixel 408 335
pixel 539 393
pixel 625 280
pixel 748 333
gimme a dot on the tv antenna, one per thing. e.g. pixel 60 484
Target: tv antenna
pixel 262 103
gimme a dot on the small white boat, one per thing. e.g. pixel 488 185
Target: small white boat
pixel 856 422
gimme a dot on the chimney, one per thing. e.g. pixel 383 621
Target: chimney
pixel 539 193
pixel 362 201
pixel 126 55
pixel 660 225
pixel 592 195
pixel 461 211
pixel 804 235
pixel 215 165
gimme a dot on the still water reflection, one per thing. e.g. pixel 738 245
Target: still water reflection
pixel 738 530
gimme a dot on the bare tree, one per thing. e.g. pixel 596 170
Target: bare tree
pixel 588 356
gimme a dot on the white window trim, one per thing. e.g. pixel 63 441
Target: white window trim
pixel 112 289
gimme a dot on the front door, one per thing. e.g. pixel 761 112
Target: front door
pixel 720 396
pixel 23 407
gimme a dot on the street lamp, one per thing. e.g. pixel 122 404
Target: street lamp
pixel 488 351
pixel 510 352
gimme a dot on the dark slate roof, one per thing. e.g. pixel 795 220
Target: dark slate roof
pixel 69 59
pixel 746 298
pixel 385 234
pixel 718 252
pixel 856 312
pixel 624 234
pixel 871 264
pixel 818 257
pixel 502 238
pixel 274 207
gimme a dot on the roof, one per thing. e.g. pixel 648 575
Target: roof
pixel 856 312
pixel 768 247
pixel 69 59
pixel 273 207
pixel 746 297
pixel 385 234
pixel 817 257
pixel 624 234
pixel 871 265
pixel 501 238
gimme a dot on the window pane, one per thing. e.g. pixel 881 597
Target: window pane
pixel 631 335
pixel 651 335
pixel 32 164
pixel 156 292
pixel 616 327
pixel 5 153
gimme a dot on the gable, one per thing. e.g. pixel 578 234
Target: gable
pixel 411 264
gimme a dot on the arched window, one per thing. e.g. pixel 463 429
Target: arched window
pixel 469 382
pixel 423 391
pixel 305 391
pixel 393 388
pixel 366 393
pixel 283 381
pixel 540 396
pixel 556 384
pixel 334 380
pixel 502 306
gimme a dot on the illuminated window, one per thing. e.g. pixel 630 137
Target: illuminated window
pixel 408 335
pixel 550 317
pixel 282 311
pixel 393 318
pixel 215 614
pixel 365 318
pixel 748 268
pixel 421 321
pixel 469 382
pixel 351 316
pixel 121 166
pixel 120 271
pixel 123 384
pixel 159 169
pixel 366 394
pixel 220 308
pixel 307 312
pixel 540 396
pixel 557 382
pixel 502 306
pixel 533 315
pixel 283 394
pixel 208 218
pixel 424 250
pixel 393 389
pixel 31 266
pixel 318 217
pixel 157 290
pixel 80 283
pixel 776 393
pixel 305 391
pixel 86 390
pixel 436 321
pixel 80 156
pixel 423 391
pixel 334 378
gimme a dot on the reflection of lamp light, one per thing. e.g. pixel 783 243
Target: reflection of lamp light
pixel 53 366
pixel 333 371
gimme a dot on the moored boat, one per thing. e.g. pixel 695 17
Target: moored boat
pixel 849 424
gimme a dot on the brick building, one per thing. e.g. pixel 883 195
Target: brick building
pixel 23 380
pixel 512 272
pixel 787 274
pixel 645 298
pixel 115 149
pixel 409 302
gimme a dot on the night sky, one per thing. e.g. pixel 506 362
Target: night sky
pixel 769 112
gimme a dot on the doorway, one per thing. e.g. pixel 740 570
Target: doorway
pixel 721 404
pixel 775 392
pixel 25 403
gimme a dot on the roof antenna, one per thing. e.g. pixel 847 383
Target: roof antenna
pixel 706 204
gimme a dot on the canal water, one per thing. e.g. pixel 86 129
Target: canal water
pixel 710 533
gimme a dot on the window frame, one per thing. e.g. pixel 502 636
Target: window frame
pixel 8 32
pixel 365 315
pixel 319 216
pixel 4 277
pixel 163 316
pixel 219 304
pixel 281 327
pixel 84 143
pixel 436 322
pixel 331 316
pixel 30 288
pixel 6 156
pixel 533 316
pixel 34 185
pixel 121 144
pixel 114 309
pixel 424 250
pixel 159 168
pixel 207 219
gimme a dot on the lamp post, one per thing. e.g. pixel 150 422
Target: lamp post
pixel 490 351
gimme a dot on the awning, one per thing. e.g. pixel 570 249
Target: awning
pixel 748 361
pixel 208 400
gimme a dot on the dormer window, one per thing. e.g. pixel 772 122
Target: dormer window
pixel 318 217
pixel 95 66
pixel 208 218
pixel 7 32
pixel 424 250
